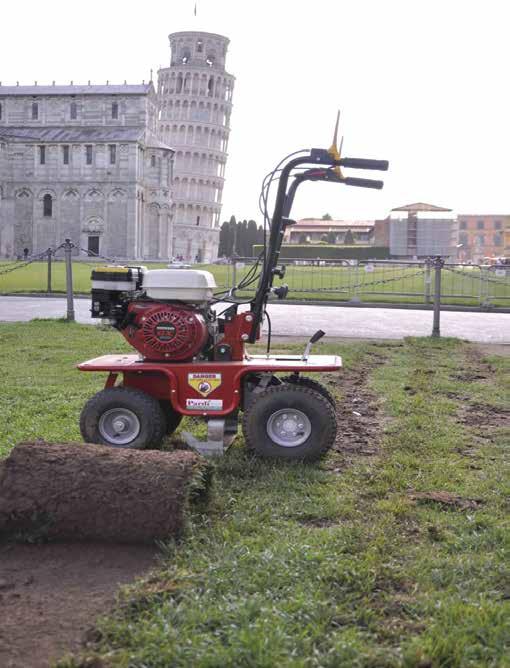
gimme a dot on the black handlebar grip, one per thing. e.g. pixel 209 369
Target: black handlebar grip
pixel 363 183
pixel 318 335
pixel 362 163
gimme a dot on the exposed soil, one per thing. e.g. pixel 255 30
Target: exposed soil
pixel 360 421
pixel 51 594
pixel 446 499
pixel 482 418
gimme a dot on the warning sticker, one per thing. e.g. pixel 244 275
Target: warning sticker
pixel 204 404
pixel 204 383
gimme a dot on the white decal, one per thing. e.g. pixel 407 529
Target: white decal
pixel 204 404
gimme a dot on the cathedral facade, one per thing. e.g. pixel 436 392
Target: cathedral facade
pixel 124 171
pixel 84 162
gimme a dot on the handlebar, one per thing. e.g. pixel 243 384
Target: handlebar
pixel 362 163
pixel 363 183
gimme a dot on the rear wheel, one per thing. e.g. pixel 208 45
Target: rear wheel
pixel 172 417
pixel 123 418
pixel 304 381
pixel 289 423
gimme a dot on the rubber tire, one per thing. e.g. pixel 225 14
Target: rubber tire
pixel 172 417
pixel 304 381
pixel 145 407
pixel 317 408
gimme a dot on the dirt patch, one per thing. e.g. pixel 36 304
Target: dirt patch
pixel 446 499
pixel 318 522
pixel 360 421
pixel 50 595
pixel 483 416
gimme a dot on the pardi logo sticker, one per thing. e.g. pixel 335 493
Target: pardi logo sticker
pixel 204 383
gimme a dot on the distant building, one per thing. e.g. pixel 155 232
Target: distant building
pixel 422 230
pixel 315 230
pixel 483 236
pixel 84 162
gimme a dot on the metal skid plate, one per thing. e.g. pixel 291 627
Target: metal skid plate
pixel 220 434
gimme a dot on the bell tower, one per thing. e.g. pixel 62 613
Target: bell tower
pixel 195 104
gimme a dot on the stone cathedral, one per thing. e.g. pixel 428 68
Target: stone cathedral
pixel 124 171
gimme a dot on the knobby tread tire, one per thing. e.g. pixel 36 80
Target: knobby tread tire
pixel 304 381
pixel 318 409
pixel 148 410
pixel 172 417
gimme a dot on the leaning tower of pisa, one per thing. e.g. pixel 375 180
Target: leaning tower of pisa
pixel 195 101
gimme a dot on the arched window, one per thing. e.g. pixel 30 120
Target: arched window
pixel 74 111
pixel 200 46
pixel 115 109
pixel 209 61
pixel 179 84
pixel 210 86
pixel 47 206
pixel 35 111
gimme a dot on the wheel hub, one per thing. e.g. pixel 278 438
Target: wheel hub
pixel 119 426
pixel 289 427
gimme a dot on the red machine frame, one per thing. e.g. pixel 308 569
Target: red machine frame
pixel 171 380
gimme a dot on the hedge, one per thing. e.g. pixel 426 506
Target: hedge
pixel 330 252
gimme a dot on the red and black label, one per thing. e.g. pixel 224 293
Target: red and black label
pixel 165 331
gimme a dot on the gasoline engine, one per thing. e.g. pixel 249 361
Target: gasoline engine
pixel 165 314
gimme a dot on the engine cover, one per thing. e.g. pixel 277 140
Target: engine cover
pixel 171 332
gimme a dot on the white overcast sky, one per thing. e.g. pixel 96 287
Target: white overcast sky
pixel 422 83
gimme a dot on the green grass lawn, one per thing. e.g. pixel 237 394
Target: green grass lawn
pixel 334 564
pixel 305 282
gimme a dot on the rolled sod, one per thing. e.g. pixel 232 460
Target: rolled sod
pixel 80 491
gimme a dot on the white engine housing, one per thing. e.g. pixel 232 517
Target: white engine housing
pixel 185 285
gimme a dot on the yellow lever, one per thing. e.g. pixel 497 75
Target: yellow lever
pixel 333 151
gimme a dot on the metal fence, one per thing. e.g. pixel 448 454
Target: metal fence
pixel 396 282
pixel 393 283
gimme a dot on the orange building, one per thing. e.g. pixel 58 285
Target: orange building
pixel 482 236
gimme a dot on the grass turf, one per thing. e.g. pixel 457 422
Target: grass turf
pixel 399 284
pixel 300 565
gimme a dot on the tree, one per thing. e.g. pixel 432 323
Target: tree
pixel 224 240
pixel 242 239
pixel 303 239
pixel 326 216
pixel 331 237
pixel 324 238
pixel 232 241
pixel 349 238
pixel 251 234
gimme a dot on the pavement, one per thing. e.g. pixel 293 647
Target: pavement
pixel 302 321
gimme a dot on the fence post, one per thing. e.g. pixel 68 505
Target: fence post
pixel 68 247
pixel 437 263
pixel 233 260
pixel 49 251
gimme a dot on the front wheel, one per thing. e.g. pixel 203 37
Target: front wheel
pixel 290 423
pixel 304 381
pixel 123 417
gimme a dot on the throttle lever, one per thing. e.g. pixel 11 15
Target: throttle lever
pixel 318 335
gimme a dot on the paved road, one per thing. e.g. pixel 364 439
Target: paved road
pixel 292 320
